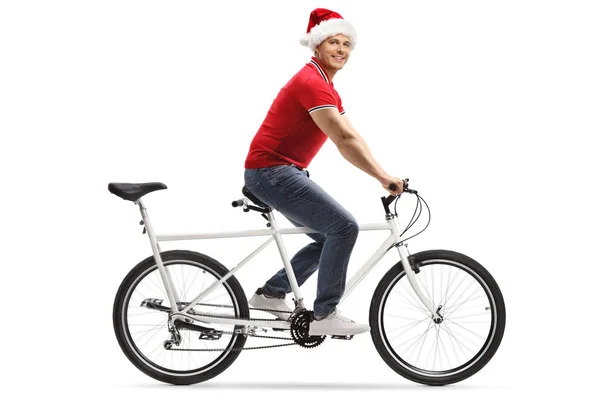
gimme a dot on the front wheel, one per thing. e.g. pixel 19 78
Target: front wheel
pixel 459 339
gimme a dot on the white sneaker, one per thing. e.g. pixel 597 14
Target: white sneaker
pixel 272 303
pixel 336 324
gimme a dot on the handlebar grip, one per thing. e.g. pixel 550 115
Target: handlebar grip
pixel 237 203
pixel 393 187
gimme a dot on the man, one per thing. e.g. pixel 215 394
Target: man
pixel 306 112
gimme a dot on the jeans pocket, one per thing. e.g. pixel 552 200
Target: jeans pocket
pixel 271 172
pixel 257 189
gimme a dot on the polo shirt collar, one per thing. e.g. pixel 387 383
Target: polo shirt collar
pixel 320 69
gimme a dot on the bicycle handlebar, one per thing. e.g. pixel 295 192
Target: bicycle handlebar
pixel 388 200
pixel 393 187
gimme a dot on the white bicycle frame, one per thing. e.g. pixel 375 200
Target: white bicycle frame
pixel 392 224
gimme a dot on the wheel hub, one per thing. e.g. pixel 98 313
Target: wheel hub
pixel 438 318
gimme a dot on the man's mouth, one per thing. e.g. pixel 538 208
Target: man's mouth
pixel 338 58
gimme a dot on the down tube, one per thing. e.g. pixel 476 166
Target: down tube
pixel 371 262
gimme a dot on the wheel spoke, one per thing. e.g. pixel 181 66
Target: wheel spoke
pixel 182 290
pixel 415 339
pixel 142 311
pixel 435 348
pixel 450 339
pixel 459 300
pixel 407 327
pixel 401 317
pixel 460 344
pixel 414 301
pixel 433 285
pixel 191 284
pixel 466 329
pixel 153 278
pixel 470 315
pixel 426 286
pixel 450 282
pixel 148 334
pixel 473 304
pixel 422 339
pixel 456 288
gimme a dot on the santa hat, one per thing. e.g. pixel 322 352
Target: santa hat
pixel 323 24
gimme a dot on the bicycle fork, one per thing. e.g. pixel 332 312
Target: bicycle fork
pixel 408 268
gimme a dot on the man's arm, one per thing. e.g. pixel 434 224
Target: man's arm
pixel 352 146
pixel 360 138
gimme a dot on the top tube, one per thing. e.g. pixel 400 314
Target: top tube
pixel 384 226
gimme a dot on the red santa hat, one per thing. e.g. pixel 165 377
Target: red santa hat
pixel 323 24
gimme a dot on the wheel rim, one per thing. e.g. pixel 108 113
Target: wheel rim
pixel 469 319
pixel 146 330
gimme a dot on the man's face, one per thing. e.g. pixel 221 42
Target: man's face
pixel 334 52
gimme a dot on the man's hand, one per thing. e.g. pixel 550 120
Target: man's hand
pixel 388 180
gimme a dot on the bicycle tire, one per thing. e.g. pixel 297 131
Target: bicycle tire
pixel 400 365
pixel 142 361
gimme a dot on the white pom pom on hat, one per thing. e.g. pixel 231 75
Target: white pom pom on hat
pixel 324 23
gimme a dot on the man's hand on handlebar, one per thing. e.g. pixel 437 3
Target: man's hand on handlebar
pixel 390 182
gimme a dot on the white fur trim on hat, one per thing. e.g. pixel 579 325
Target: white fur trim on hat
pixel 326 29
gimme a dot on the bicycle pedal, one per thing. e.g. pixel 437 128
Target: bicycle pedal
pixel 210 335
pixel 342 337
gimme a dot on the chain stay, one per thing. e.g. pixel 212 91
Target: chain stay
pixel 234 332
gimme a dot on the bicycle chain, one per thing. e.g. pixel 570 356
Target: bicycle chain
pixel 247 334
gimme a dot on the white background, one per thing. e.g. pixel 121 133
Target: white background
pixel 490 108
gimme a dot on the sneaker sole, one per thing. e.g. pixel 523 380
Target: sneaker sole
pixel 317 332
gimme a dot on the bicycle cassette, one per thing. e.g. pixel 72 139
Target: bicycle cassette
pixel 299 330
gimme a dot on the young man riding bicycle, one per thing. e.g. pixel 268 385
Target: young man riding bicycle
pixel 306 112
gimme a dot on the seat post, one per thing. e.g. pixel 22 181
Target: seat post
pixel 164 273
pixel 299 300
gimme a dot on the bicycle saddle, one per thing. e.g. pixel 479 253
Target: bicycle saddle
pixel 246 192
pixel 134 191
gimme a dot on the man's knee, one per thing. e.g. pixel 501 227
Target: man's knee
pixel 346 227
pixel 352 227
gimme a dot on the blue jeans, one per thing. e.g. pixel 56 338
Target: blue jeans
pixel 291 192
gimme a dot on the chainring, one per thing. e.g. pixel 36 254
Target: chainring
pixel 299 330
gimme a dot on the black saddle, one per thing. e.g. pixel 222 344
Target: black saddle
pixel 134 191
pixel 255 200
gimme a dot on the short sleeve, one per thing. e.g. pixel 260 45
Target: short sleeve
pixel 341 107
pixel 315 95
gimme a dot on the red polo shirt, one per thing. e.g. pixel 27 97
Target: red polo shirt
pixel 288 135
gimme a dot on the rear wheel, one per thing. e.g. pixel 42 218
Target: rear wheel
pixel 142 329
pixel 453 344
